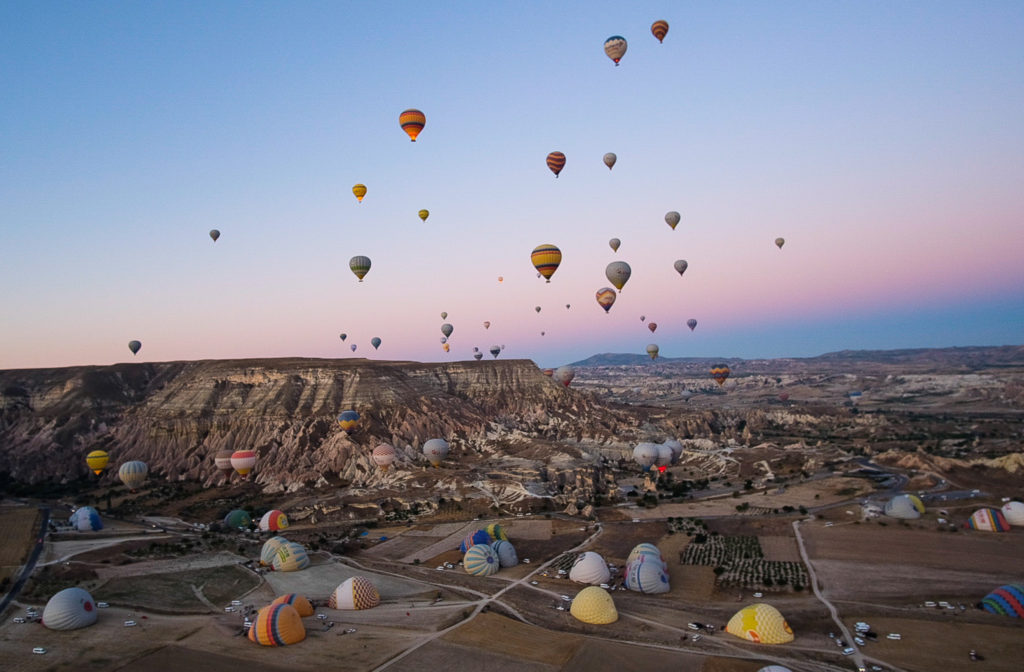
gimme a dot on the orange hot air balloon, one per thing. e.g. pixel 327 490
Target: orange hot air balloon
pixel 359 190
pixel 412 122
pixel 720 373
pixel 546 259
pixel 659 29
pixel 556 161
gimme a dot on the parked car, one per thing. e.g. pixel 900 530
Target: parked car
pixel 19 619
pixel 39 650
pixel 102 605
pixel 847 651
pixel 130 624
pixel 894 635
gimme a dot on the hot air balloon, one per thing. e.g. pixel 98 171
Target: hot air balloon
pixel 615 48
pixel 447 329
pixel 610 159
pixel 487 325
pixel 779 242
pixel 352 347
pixel 69 609
pixel 783 396
pixel 133 474
pixel 542 333
pixel 537 308
pixel 270 547
pixel 277 625
pixel 614 244
pixel 444 315
pixel 290 557
pixel 495 350
pixel 375 342
pixel 97 461
pixel 475 349
pixel 135 346
pixel 300 603
pixel 355 593
pixel 343 336
pixel 243 461
pixel 272 521
pixel 565 374
pixel 215 234
pixel 618 273
pixel 384 456
pixel 652 326
pixel 86 519
pixel 445 347
pixel 359 190
pixel 680 265
pixel 222 460
pixel 645 454
pixel 237 518
pixel 360 265
pixel 412 122
pixel 691 323
pixel 546 259
pixel 659 29
pixel 348 420
pixel 435 451
pixel 556 161
pixel 481 560
pixel 652 350
pixel 501 279
pixel 506 552
pixel 444 340
pixel 424 214
pixel 672 218
pixel 548 372
pixel 605 298
pixel 589 567
pixel 720 373
pixel 478 356
pixel 643 317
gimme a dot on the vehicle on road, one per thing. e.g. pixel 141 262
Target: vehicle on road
pixel 848 651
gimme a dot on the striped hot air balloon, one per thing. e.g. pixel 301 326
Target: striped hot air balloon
pixel 556 161
pixel 988 519
pixel 496 532
pixel 659 29
pixel 277 625
pixel 359 190
pixel 360 265
pixel 720 373
pixel 1006 600
pixel 290 557
pixel 243 461
pixel 223 461
pixel 507 556
pixel 481 560
pixel 546 259
pixel 97 461
pixel 273 520
pixel 269 550
pixel 301 604
pixel 412 122
pixel 605 298
pixel 477 537
pixel 133 474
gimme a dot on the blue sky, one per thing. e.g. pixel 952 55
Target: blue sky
pixel 883 140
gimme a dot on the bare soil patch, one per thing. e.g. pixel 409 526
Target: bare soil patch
pixel 181 658
pixel 779 549
pixel 176 591
pixel 18 529
pixel 498 634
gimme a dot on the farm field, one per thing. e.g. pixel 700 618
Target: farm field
pixel 197 590
pixel 18 528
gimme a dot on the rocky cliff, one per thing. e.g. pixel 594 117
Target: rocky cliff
pixel 176 416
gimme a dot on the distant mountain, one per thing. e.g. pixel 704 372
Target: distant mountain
pixel 972 357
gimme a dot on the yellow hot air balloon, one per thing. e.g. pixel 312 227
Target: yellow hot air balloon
pixel 760 623
pixel 546 259
pixel 424 214
pixel 595 606
pixel 277 625
pixel 97 460
pixel 359 190
pixel 412 122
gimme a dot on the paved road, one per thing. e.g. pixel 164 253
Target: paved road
pixel 30 564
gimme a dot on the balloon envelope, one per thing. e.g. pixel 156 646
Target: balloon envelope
pixel 133 474
pixel 215 234
pixel 720 373
pixel 384 456
pixel 614 244
pixel 360 265
pixel 546 259
pixel 375 342
pixel 447 329
pixel 672 218
pixel 556 161
pixel 652 350
pixel 565 374
pixel 779 242
pixel 135 346
pixel 610 159
pixel 615 48
pixel 495 350
pixel 359 190
pixel 435 450
pixel 343 336
pixel 97 460
pixel 412 122
pixel 243 461
pixel 606 298
pixel 680 265
pixel 618 273
pixel 659 29
pixel 691 323
pixel 424 214
pixel 348 420
pixel 652 326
